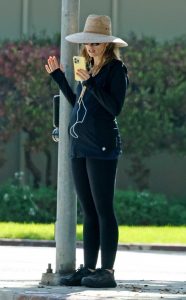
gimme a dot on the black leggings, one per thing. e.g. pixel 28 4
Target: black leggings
pixel 94 182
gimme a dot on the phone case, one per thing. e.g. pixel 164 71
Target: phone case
pixel 79 63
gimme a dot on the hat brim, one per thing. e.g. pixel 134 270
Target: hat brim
pixel 88 37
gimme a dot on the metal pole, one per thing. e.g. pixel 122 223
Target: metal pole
pixel 65 234
pixel 24 33
pixel 25 11
pixel 114 17
pixel 65 229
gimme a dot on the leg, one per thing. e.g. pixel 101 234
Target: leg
pixel 101 174
pixel 90 227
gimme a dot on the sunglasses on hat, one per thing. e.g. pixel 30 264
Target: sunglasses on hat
pixel 91 44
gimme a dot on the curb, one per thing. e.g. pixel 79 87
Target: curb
pixel 79 244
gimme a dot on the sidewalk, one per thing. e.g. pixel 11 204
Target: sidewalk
pixel 139 274
pixel 126 290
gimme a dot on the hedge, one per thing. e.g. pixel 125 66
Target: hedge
pixel 25 204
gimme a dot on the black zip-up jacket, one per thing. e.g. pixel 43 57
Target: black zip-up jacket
pixel 93 127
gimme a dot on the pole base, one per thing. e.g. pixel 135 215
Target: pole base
pixel 50 279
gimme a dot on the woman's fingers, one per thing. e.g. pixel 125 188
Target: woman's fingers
pixel 55 61
pixel 47 69
pixel 83 74
pixel 52 64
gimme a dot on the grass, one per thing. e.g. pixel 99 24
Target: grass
pixel 127 234
pixel 13 230
pixel 153 234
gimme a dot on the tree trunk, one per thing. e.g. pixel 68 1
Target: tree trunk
pixel 48 172
pixel 32 168
pixel 139 173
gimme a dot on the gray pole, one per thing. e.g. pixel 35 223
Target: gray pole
pixel 24 33
pixel 65 229
pixel 25 13
pixel 114 17
pixel 66 205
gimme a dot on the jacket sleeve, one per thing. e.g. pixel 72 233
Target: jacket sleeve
pixel 62 82
pixel 112 97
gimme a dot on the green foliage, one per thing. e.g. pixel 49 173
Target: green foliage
pixel 141 208
pixel 21 203
pixel 27 90
pixel 26 97
pixel 145 208
pixel 154 117
pixel 177 214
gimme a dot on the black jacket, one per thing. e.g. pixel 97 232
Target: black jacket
pixel 93 127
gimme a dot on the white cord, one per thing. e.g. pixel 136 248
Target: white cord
pixel 80 101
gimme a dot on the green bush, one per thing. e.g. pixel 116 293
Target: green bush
pixel 154 116
pixel 141 208
pixel 25 204
pixel 25 99
pixel 145 208
pixel 21 203
pixel 177 214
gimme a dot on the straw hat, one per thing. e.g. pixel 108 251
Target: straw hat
pixel 97 30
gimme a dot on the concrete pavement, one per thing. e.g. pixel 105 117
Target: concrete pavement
pixel 140 275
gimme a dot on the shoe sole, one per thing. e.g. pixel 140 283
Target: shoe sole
pixel 95 285
pixel 67 284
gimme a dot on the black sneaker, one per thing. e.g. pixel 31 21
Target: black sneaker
pixel 101 278
pixel 75 278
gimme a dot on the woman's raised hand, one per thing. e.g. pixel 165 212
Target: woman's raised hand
pixel 53 65
pixel 83 74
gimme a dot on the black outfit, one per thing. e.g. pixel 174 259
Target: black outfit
pixel 94 148
pixel 93 128
pixel 94 182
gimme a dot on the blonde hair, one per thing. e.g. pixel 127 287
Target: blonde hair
pixel 111 52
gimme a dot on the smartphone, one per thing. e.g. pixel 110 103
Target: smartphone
pixel 79 63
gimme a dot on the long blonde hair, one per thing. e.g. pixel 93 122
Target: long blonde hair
pixel 111 52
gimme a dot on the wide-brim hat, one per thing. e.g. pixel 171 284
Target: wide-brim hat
pixel 97 30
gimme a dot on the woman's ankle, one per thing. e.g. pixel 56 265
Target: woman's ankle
pixel 110 270
pixel 91 270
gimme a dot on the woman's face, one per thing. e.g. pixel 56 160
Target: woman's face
pixel 95 49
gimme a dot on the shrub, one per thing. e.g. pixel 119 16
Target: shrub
pixel 24 204
pixel 177 214
pixel 154 116
pixel 141 208
pixel 25 99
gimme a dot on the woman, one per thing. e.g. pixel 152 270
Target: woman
pixel 95 144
